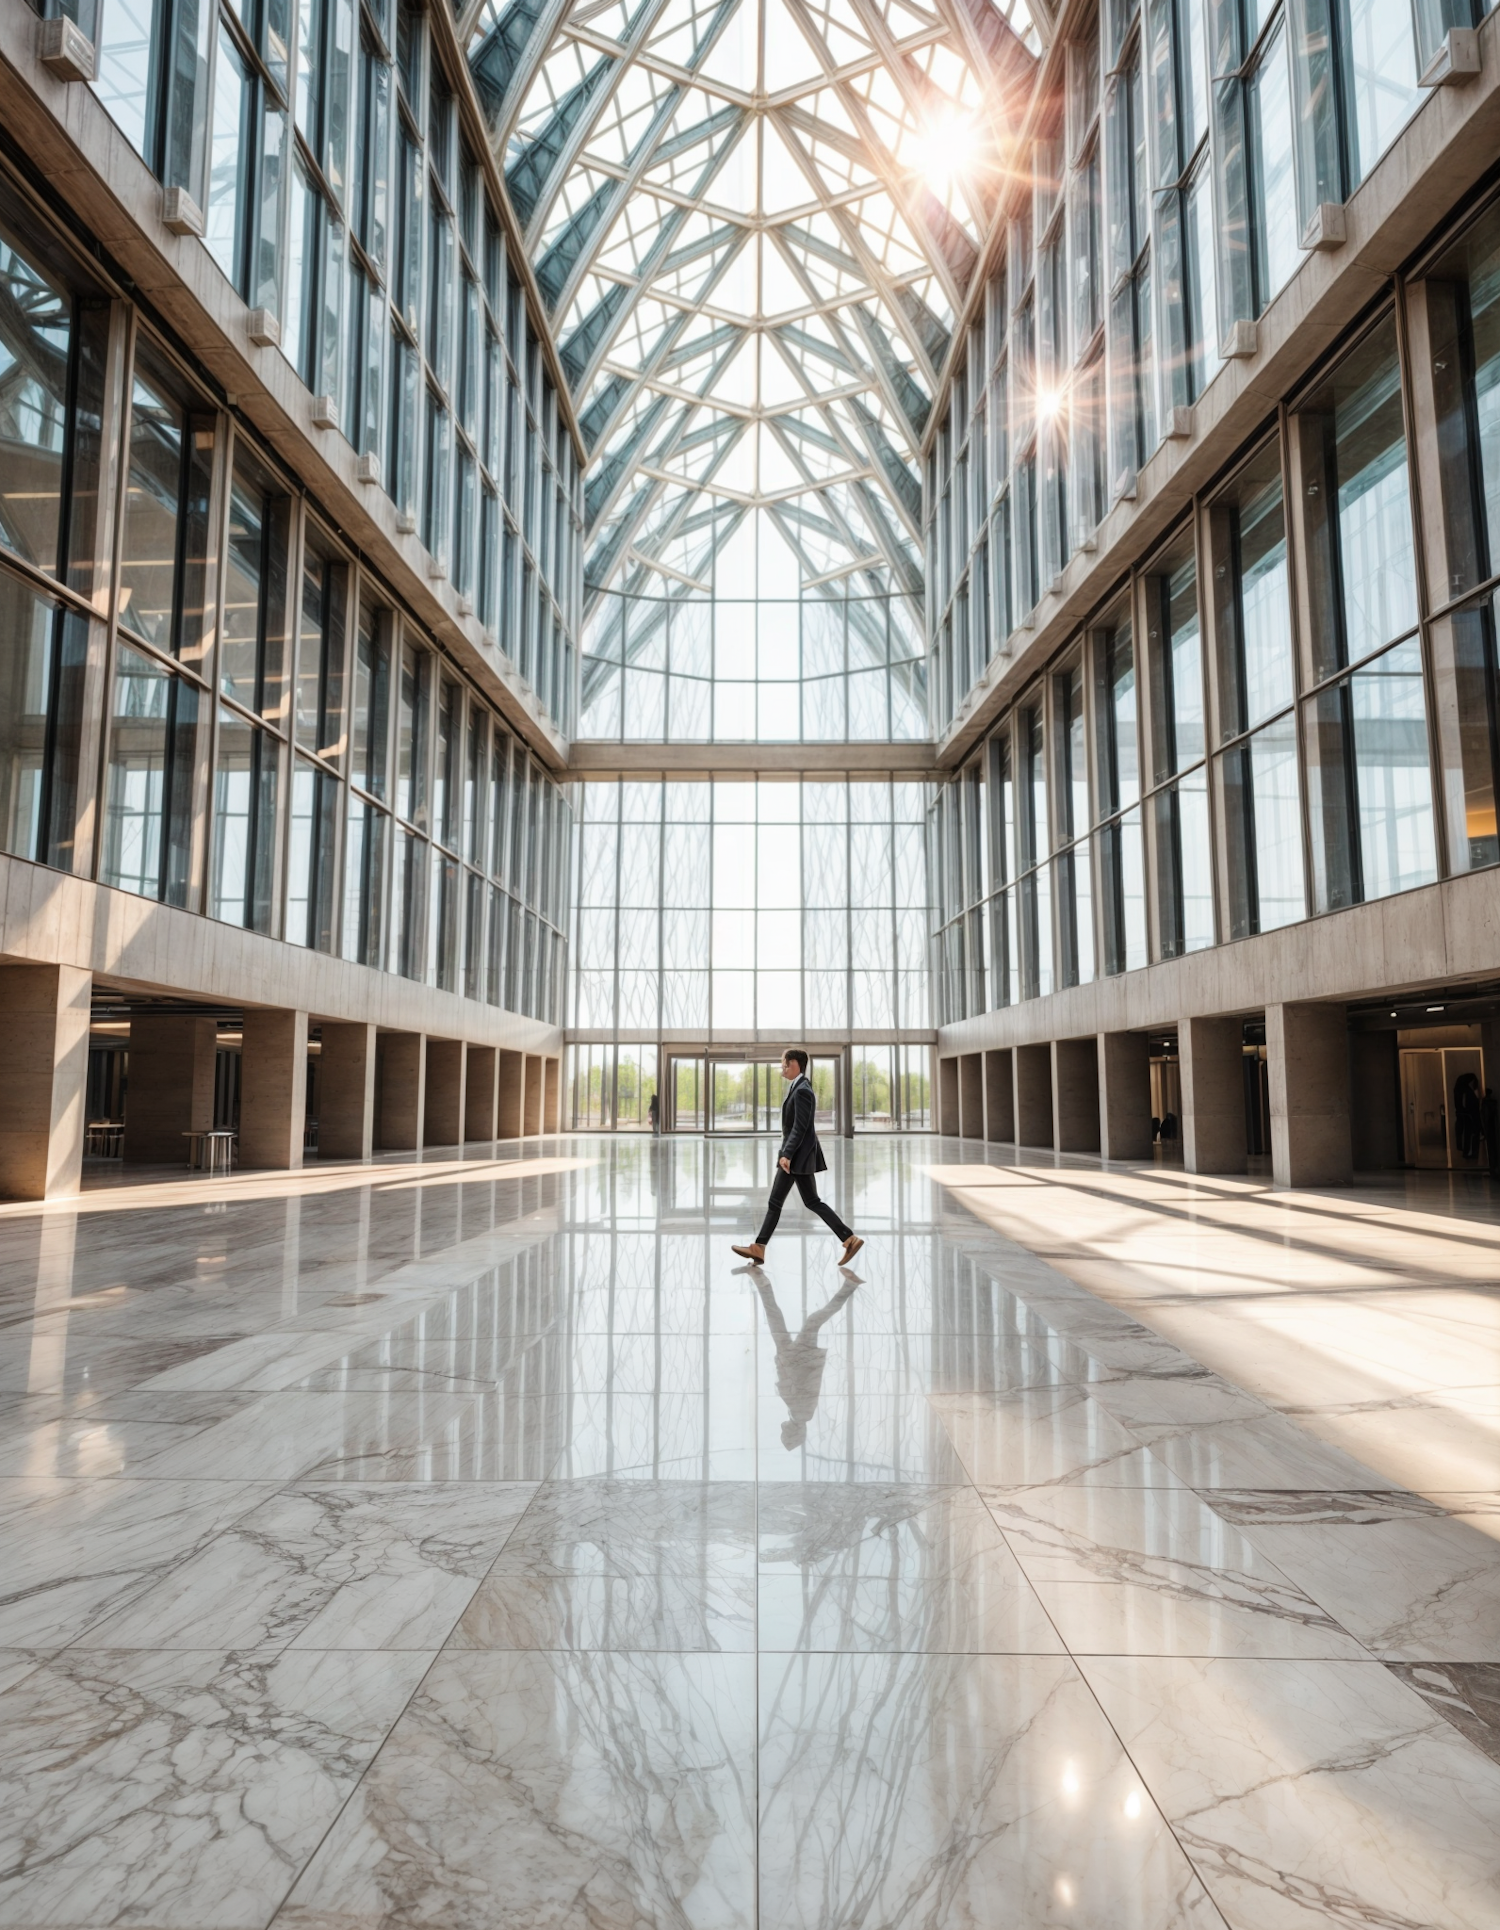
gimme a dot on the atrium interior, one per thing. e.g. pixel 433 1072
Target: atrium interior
pixel 558 557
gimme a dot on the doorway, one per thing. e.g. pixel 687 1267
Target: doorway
pixel 1429 1075
pixel 717 1094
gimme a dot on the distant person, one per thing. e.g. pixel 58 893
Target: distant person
pixel 800 1158
pixel 1466 1115
pixel 654 1110
pixel 1169 1125
pixel 1489 1128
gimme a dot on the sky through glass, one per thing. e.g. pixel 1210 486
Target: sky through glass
pixel 753 223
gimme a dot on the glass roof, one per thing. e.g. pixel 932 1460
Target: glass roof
pixel 753 222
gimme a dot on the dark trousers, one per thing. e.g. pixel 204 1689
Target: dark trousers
pixel 807 1185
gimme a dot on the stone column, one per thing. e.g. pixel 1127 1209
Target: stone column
pixel 400 1091
pixel 1075 1095
pixel 999 1097
pixel 273 1089
pixel 1033 1105
pixel 948 1120
pixel 169 1085
pixel 551 1095
pixel 44 1050
pixel 346 1092
pixel 443 1112
pixel 971 1095
pixel 1211 1066
pixel 531 1097
pixel 512 1084
pixel 1307 1059
pixel 479 1092
pixel 1124 1095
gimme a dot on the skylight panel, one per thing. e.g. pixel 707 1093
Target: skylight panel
pixel 769 295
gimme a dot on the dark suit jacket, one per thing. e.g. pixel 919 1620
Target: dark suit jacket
pixel 799 1136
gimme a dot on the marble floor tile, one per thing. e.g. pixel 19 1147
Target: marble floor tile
pixel 551 1790
pixel 93 1436
pixel 181 1791
pixel 633 1527
pixel 866 1569
pixel 1154 1406
pixel 329 1435
pixel 1414 1588
pixel 1331 1792
pixel 1418 1445
pixel 1044 1436
pixel 408 1545
pixel 328 1568
pixel 852 1438
pixel 72 1550
pixel 1157 1572
pixel 954 1791
pixel 1467 1694
pixel 514 1608
pixel 1267 1451
pixel 67 1363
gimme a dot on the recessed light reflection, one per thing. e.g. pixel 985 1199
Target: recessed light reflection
pixel 1071 1781
pixel 1133 1805
pixel 1064 1891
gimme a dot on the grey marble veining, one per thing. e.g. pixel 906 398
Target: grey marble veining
pixel 443 1548
pixel 328 1568
pixel 1312 1792
pixel 948 1792
pixel 551 1789
pixel 1413 1587
pixel 861 1568
pixel 1467 1694
pixel 1157 1572
pixel 184 1791
pixel 72 1550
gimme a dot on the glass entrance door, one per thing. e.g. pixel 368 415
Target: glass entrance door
pixel 742 1098
pixel 687 1095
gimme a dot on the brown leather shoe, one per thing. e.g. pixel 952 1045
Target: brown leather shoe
pixel 753 1253
pixel 851 1246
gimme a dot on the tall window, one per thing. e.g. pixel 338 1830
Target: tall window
pixel 1462 295
pixel 1366 722
pixel 1072 869
pixel 52 359
pixel 1122 860
pixel 1034 885
pixel 1256 685
pixel 1179 801
pixel 1004 947
pixel 1177 69
pixel 1132 374
pixel 154 736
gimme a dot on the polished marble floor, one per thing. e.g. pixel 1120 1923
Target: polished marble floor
pixel 474 1542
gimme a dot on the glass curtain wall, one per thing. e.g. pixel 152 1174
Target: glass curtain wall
pixel 334 175
pixel 825 669
pixel 723 909
pixel 280 748
pixel 1248 752
pixel 1177 183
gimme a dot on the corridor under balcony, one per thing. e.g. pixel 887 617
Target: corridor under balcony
pixel 469 1539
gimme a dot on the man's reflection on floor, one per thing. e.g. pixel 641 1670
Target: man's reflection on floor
pixel 799 1359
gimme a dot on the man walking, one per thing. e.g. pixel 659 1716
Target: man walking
pixel 800 1159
